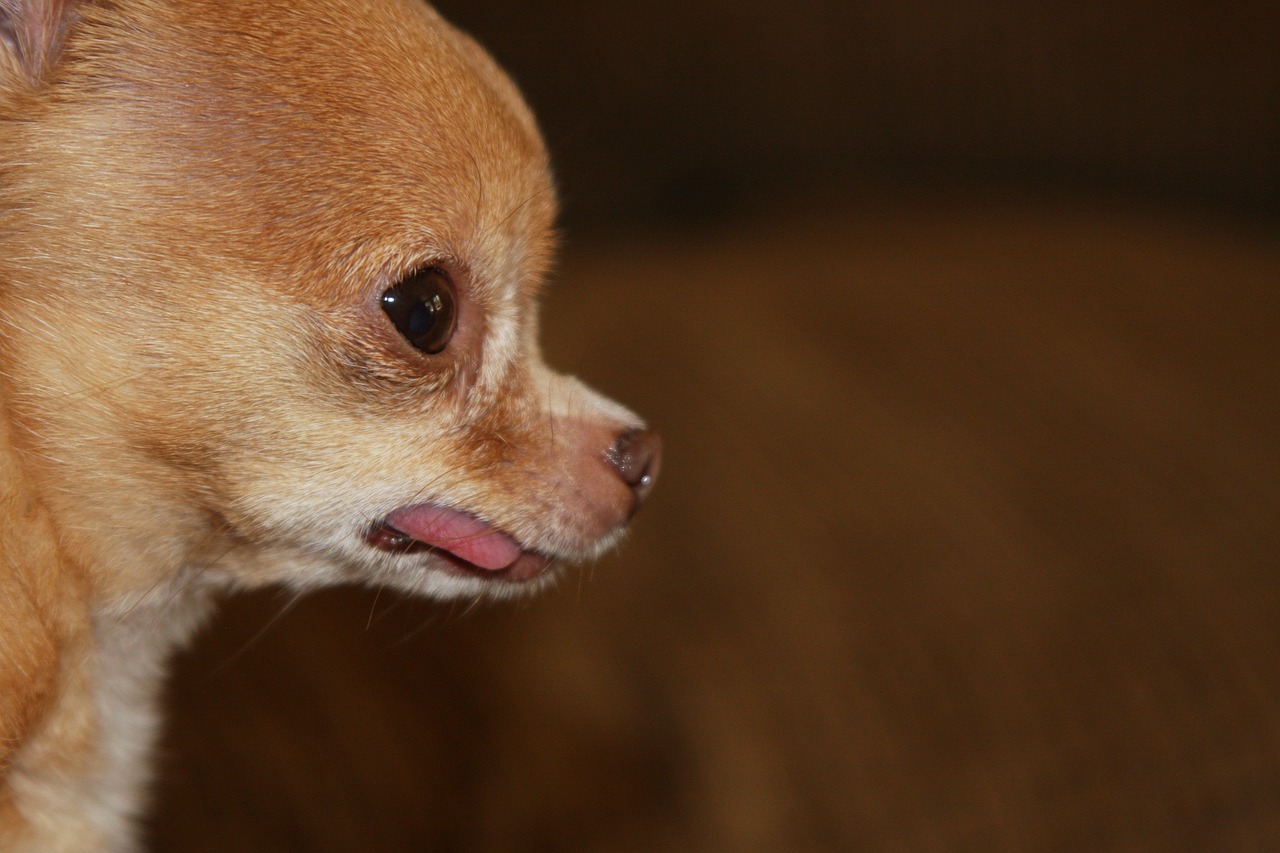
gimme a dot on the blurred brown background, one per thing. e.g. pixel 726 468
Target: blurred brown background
pixel 959 321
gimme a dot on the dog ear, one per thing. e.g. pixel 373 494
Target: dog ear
pixel 31 35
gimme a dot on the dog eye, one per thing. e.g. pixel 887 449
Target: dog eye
pixel 422 307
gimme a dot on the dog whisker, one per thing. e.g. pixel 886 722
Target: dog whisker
pixel 373 607
pixel 290 603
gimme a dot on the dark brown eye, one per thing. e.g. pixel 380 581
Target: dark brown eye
pixel 422 307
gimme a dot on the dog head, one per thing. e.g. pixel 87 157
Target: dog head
pixel 270 273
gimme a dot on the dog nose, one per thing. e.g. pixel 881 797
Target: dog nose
pixel 636 456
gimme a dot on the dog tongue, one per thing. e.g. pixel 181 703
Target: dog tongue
pixel 460 534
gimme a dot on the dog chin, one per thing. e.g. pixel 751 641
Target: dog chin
pixel 422 572
pixel 442 576
pixel 437 576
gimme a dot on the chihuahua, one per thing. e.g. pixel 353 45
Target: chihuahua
pixel 268 283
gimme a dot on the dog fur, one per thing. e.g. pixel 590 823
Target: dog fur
pixel 201 203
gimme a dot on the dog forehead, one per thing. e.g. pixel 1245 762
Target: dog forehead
pixel 364 133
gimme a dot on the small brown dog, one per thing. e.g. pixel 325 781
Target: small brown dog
pixel 268 275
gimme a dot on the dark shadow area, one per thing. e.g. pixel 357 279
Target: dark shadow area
pixel 683 109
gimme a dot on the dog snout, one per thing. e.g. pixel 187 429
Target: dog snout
pixel 636 456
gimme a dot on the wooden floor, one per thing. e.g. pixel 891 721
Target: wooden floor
pixel 968 538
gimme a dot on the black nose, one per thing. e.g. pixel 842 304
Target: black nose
pixel 636 456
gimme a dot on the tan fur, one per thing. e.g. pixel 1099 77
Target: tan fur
pixel 200 203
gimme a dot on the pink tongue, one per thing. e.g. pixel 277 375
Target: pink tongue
pixel 460 534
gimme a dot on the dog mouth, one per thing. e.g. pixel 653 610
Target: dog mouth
pixel 460 540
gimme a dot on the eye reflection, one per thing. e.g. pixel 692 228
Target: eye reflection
pixel 423 309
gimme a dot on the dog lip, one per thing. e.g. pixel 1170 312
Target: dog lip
pixel 461 534
pixel 527 565
pixel 459 540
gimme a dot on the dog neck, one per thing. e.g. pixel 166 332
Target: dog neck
pixel 130 661
pixel 81 680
